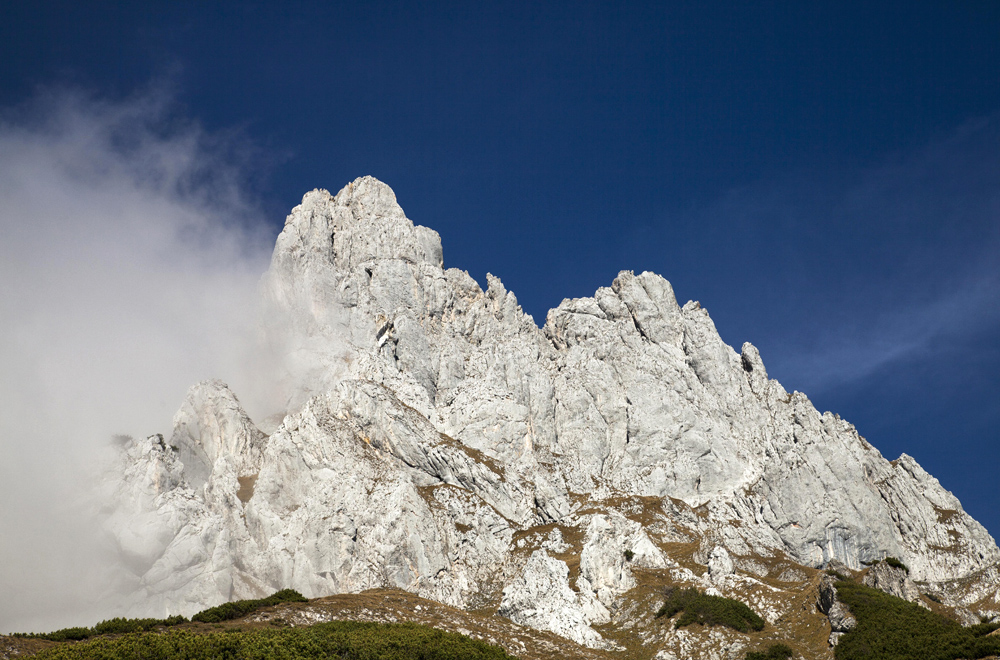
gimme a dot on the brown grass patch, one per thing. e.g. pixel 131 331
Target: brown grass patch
pixel 247 484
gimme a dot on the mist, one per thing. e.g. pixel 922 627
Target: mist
pixel 129 262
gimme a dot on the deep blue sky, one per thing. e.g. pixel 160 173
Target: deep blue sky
pixel 824 179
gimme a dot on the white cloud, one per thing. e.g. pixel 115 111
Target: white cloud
pixel 129 259
pixel 854 350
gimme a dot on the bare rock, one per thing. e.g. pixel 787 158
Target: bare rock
pixel 211 424
pixel 540 597
pixel 966 617
pixel 841 619
pixel 893 580
pixel 720 564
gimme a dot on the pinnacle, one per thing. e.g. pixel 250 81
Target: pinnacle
pixel 367 196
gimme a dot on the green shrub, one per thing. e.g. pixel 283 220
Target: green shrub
pixel 122 626
pixel 833 573
pixel 891 628
pixel 697 607
pixel 981 629
pixel 336 639
pixel 240 608
pixel 892 561
pixel 116 626
pixel 629 555
pixel 66 634
pixel 774 652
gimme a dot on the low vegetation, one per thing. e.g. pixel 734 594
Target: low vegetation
pixel 696 607
pixel 336 639
pixel 895 563
pixel 118 626
pixel 240 608
pixel 891 628
pixel 774 652
pixel 64 635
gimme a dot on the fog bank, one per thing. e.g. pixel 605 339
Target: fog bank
pixel 129 261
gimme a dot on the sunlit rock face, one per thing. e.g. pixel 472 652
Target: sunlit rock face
pixel 432 426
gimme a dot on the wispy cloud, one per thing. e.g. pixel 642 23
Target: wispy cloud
pixel 129 261
pixel 840 273
pixel 919 244
pixel 844 354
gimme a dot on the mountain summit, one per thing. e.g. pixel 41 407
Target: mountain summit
pixel 437 440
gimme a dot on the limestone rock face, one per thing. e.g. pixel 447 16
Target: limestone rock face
pixel 892 580
pixel 211 425
pixel 540 597
pixel 720 563
pixel 613 544
pixel 436 439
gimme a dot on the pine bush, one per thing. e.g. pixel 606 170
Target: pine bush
pixel 891 628
pixel 336 639
pixel 697 607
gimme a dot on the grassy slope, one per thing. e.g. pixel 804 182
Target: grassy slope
pixel 335 639
pixel 891 628
pixel 366 609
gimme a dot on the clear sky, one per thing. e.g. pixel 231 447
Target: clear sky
pixel 823 177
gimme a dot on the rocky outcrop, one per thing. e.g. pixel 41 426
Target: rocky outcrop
pixel 893 580
pixel 839 614
pixel 720 564
pixel 212 425
pixel 432 425
pixel 540 597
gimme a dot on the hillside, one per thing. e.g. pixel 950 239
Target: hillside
pixel 388 624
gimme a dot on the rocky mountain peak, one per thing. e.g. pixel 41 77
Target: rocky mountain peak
pixel 437 440
pixel 361 224
pixel 210 425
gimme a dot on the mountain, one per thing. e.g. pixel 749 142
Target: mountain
pixel 436 440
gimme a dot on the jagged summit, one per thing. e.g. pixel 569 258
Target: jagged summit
pixel 437 440
pixel 361 223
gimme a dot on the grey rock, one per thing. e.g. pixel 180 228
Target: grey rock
pixel 966 617
pixel 603 565
pixel 840 568
pixel 720 563
pixel 841 619
pixel 540 597
pixel 211 424
pixel 893 581
pixel 827 595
